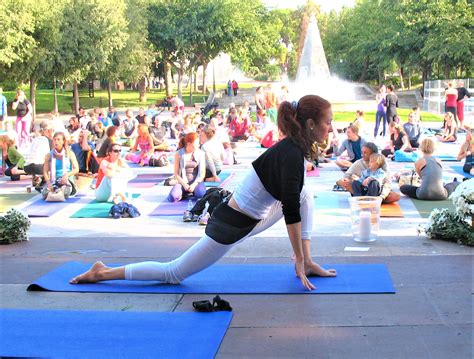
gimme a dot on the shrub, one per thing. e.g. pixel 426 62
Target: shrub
pixel 13 227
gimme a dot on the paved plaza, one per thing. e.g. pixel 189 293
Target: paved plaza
pixel 429 316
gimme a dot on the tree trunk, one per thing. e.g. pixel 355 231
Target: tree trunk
pixel 364 71
pixel 447 70
pixel 168 84
pixel 33 100
pixel 401 78
pixel 381 76
pixel 195 81
pixel 75 98
pixel 109 93
pixel 142 89
pixel 191 72
pixel 180 85
pixel 55 97
pixel 204 84
pixel 409 80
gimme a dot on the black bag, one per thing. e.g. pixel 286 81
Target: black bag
pixel 159 161
pixel 213 196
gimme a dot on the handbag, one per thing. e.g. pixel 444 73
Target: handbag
pixel 57 195
pixel 409 177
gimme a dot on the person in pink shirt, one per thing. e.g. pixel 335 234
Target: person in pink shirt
pixel 239 128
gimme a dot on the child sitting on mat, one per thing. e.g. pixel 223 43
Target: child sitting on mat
pixel 370 183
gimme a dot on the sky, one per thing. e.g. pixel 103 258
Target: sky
pixel 326 5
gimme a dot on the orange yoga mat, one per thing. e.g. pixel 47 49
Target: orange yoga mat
pixel 391 210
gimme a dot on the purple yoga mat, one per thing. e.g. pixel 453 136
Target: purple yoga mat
pixel 41 208
pixel 148 180
pixel 21 183
pixel 172 208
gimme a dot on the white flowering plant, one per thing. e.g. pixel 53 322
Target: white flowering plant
pixel 457 226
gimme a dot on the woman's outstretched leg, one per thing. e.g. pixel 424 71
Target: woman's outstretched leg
pixel 201 255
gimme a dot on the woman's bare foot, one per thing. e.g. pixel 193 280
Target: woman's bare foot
pixel 314 269
pixel 93 275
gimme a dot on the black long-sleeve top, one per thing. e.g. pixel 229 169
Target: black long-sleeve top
pixel 281 171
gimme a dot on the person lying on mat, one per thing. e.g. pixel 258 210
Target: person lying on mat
pixel 466 151
pixel 112 179
pixel 273 188
pixel 189 169
pixel 430 171
pixel 60 167
pixel 355 172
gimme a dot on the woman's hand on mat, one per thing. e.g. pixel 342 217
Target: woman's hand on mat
pixel 300 273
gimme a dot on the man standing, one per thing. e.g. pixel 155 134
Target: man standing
pixel 3 109
pixel 462 94
pixel 271 103
pixel 391 101
pixel 235 87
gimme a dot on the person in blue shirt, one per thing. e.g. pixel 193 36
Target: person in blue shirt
pixel 84 151
pixel 370 182
pixel 113 117
pixel 3 109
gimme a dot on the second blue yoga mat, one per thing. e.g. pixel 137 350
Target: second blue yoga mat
pixel 232 279
pixel 102 334
pixel 459 170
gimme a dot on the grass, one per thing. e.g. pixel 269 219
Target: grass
pixel 369 116
pixel 129 98
pixel 121 99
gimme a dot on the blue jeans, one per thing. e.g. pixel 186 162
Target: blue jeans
pixel 378 116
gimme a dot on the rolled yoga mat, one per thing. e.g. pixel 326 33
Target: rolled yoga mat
pixel 231 279
pixel 105 334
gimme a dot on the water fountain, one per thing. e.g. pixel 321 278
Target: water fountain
pixel 314 77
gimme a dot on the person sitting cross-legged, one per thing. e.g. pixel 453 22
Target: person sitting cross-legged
pixel 430 171
pixel 371 181
pixel 353 145
pixel 355 171
pixel 113 177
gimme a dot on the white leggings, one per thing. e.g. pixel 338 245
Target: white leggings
pixel 207 251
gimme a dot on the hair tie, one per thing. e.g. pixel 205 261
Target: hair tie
pixel 294 105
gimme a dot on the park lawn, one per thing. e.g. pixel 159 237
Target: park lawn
pixel 369 116
pixel 129 98
pixel 121 99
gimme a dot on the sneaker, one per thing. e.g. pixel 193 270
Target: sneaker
pixel 203 219
pixel 187 216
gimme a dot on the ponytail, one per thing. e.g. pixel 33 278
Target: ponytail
pixel 293 121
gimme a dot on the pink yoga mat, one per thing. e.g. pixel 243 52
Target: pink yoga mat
pixel 313 173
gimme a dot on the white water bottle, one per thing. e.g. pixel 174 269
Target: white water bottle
pixel 190 205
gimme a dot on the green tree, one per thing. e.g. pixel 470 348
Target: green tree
pixel 132 62
pixel 91 31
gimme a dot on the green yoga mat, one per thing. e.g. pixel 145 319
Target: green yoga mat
pixel 96 209
pixel 10 200
pixel 425 207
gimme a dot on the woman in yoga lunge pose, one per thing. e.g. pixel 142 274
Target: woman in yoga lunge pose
pixel 272 189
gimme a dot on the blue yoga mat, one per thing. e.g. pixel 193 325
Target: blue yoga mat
pixel 223 176
pixel 103 334
pixel 41 208
pixel 231 279
pixel 446 158
pixel 459 170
